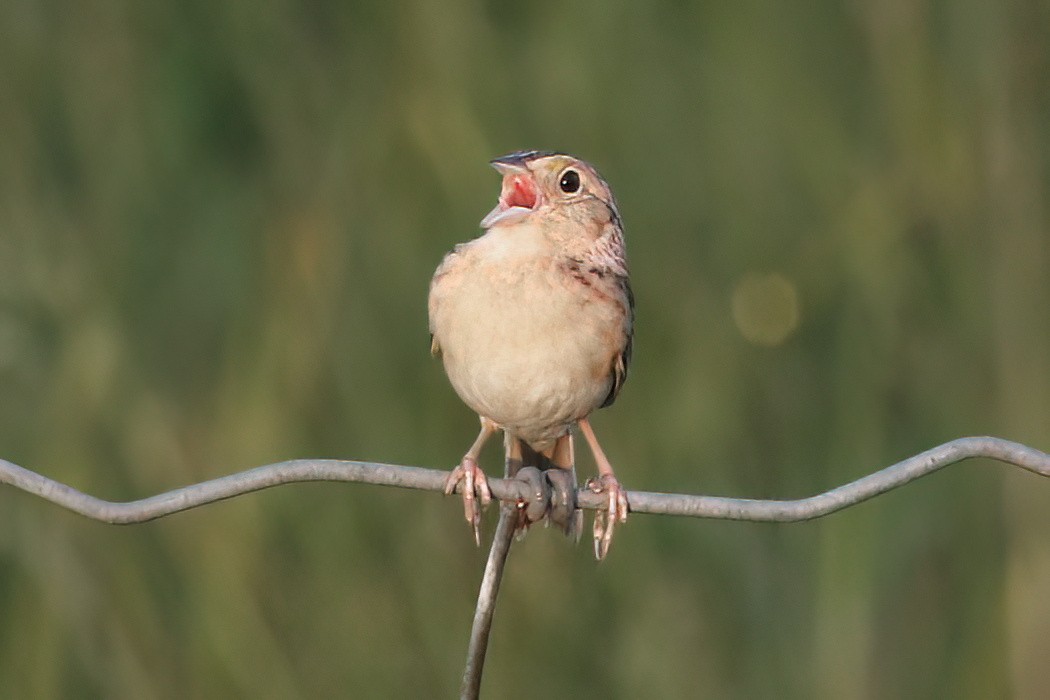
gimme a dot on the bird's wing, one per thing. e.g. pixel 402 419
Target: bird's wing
pixel 622 361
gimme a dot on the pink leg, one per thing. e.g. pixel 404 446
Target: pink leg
pixel 475 485
pixel 604 520
pixel 563 511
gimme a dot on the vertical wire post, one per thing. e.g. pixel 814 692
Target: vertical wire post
pixel 479 632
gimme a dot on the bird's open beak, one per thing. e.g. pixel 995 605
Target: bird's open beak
pixel 519 196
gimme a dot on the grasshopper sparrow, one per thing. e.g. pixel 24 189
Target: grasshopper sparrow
pixel 534 321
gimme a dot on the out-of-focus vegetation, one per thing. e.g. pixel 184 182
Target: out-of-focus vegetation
pixel 218 222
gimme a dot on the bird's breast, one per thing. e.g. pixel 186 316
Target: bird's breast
pixel 523 342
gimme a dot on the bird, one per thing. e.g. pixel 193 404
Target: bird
pixel 534 323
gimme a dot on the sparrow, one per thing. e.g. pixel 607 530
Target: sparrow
pixel 533 321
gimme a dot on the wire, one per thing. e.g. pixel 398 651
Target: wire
pixel 303 470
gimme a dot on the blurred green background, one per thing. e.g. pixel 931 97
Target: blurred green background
pixel 218 223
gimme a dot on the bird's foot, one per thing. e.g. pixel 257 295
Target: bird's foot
pixel 605 520
pixel 475 487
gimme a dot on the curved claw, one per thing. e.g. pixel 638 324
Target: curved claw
pixel 475 488
pixel 616 512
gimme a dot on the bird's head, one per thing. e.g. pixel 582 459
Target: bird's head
pixel 544 182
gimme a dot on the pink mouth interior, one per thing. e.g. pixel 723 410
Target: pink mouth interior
pixel 519 191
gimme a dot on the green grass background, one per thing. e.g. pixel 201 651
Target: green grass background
pixel 218 222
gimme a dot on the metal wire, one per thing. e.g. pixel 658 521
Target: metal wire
pixel 470 688
pixel 719 507
pixel 513 490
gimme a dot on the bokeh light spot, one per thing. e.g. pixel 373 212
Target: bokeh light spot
pixel 765 308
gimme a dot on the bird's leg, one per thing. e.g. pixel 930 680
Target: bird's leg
pixel 562 478
pixel 562 454
pixel 475 484
pixel 606 482
pixel 531 468
pixel 515 458
pixel 514 463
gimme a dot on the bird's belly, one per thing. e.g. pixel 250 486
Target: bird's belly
pixel 534 356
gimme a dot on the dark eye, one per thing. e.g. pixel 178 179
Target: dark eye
pixel 570 182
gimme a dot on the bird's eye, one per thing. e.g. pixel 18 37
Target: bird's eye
pixel 570 182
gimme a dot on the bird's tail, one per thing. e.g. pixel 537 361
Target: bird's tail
pixel 561 479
